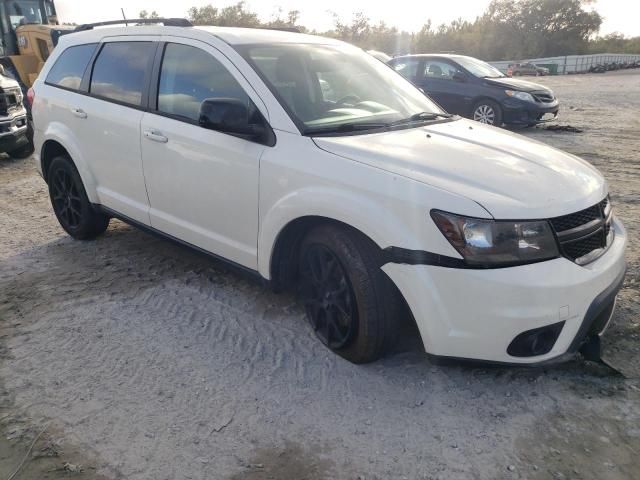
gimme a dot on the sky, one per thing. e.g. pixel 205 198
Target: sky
pixel 619 15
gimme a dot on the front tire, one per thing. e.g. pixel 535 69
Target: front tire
pixel 351 304
pixel 71 205
pixel 22 152
pixel 487 112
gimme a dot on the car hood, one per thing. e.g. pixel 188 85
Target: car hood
pixel 511 176
pixel 6 82
pixel 516 84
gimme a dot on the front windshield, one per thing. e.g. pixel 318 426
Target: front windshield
pixel 479 68
pixel 329 87
pixel 24 12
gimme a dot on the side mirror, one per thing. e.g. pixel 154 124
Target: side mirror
pixel 459 77
pixel 230 115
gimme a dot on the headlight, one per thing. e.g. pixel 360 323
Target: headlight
pixel 527 97
pixel 492 243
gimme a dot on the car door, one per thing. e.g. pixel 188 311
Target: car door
pixel 444 82
pixel 203 185
pixel 108 122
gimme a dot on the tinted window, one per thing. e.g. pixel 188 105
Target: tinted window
pixel 407 67
pixel 119 71
pixel 438 70
pixel 24 12
pixel 69 68
pixel 189 76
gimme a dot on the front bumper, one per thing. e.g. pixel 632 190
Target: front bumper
pixel 518 112
pixel 13 132
pixel 476 314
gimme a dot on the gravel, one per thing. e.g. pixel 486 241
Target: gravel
pixel 165 365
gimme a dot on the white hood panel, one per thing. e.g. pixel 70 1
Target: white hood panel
pixel 511 176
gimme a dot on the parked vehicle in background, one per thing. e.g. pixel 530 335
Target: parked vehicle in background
pixel 363 196
pixel 474 89
pixel 520 69
pixel 14 129
pixel 383 57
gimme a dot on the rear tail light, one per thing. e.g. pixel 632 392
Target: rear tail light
pixel 31 96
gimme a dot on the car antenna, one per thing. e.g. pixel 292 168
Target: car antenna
pixel 125 17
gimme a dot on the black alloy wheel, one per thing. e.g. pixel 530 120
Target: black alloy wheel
pixel 328 297
pixel 66 200
pixel 76 214
pixel 352 305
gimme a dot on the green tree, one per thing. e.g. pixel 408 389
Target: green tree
pixel 289 21
pixel 232 16
pixel 507 30
pixel 146 14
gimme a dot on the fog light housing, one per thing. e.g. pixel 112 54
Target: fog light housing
pixel 538 341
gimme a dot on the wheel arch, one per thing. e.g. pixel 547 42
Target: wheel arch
pixel 59 140
pixel 300 210
pixel 286 247
pixel 50 150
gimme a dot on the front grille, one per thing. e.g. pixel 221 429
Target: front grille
pixel 581 233
pixel 543 97
pixel 573 220
pixel 581 248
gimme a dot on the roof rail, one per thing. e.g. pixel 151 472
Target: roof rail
pixel 282 29
pixel 167 22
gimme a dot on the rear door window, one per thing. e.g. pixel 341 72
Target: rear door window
pixel 69 69
pixel 120 72
pixel 408 67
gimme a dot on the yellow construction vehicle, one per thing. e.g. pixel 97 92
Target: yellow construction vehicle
pixel 30 32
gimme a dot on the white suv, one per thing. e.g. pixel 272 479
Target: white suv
pixel 316 167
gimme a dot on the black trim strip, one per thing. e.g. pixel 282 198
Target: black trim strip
pixel 421 257
pixel 599 304
pixel 246 271
pixel 581 231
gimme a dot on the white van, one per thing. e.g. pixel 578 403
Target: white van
pixel 316 167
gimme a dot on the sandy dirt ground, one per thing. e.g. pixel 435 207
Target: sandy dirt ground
pixel 142 360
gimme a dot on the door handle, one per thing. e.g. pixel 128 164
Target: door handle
pixel 155 136
pixel 78 112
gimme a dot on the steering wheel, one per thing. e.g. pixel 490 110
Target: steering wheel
pixel 355 99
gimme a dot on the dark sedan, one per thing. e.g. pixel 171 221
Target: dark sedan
pixel 472 88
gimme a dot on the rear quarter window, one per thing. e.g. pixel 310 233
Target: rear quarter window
pixel 70 66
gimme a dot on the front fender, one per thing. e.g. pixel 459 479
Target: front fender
pixel 390 209
pixel 359 212
pixel 63 135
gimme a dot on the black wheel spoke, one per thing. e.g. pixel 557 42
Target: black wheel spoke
pixel 328 323
pixel 327 297
pixel 66 200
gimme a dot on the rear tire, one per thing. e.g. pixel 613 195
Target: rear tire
pixel 352 305
pixel 72 207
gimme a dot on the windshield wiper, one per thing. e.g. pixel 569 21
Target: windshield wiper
pixel 416 117
pixel 358 126
pixel 348 127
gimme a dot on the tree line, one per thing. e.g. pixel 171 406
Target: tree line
pixel 508 29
